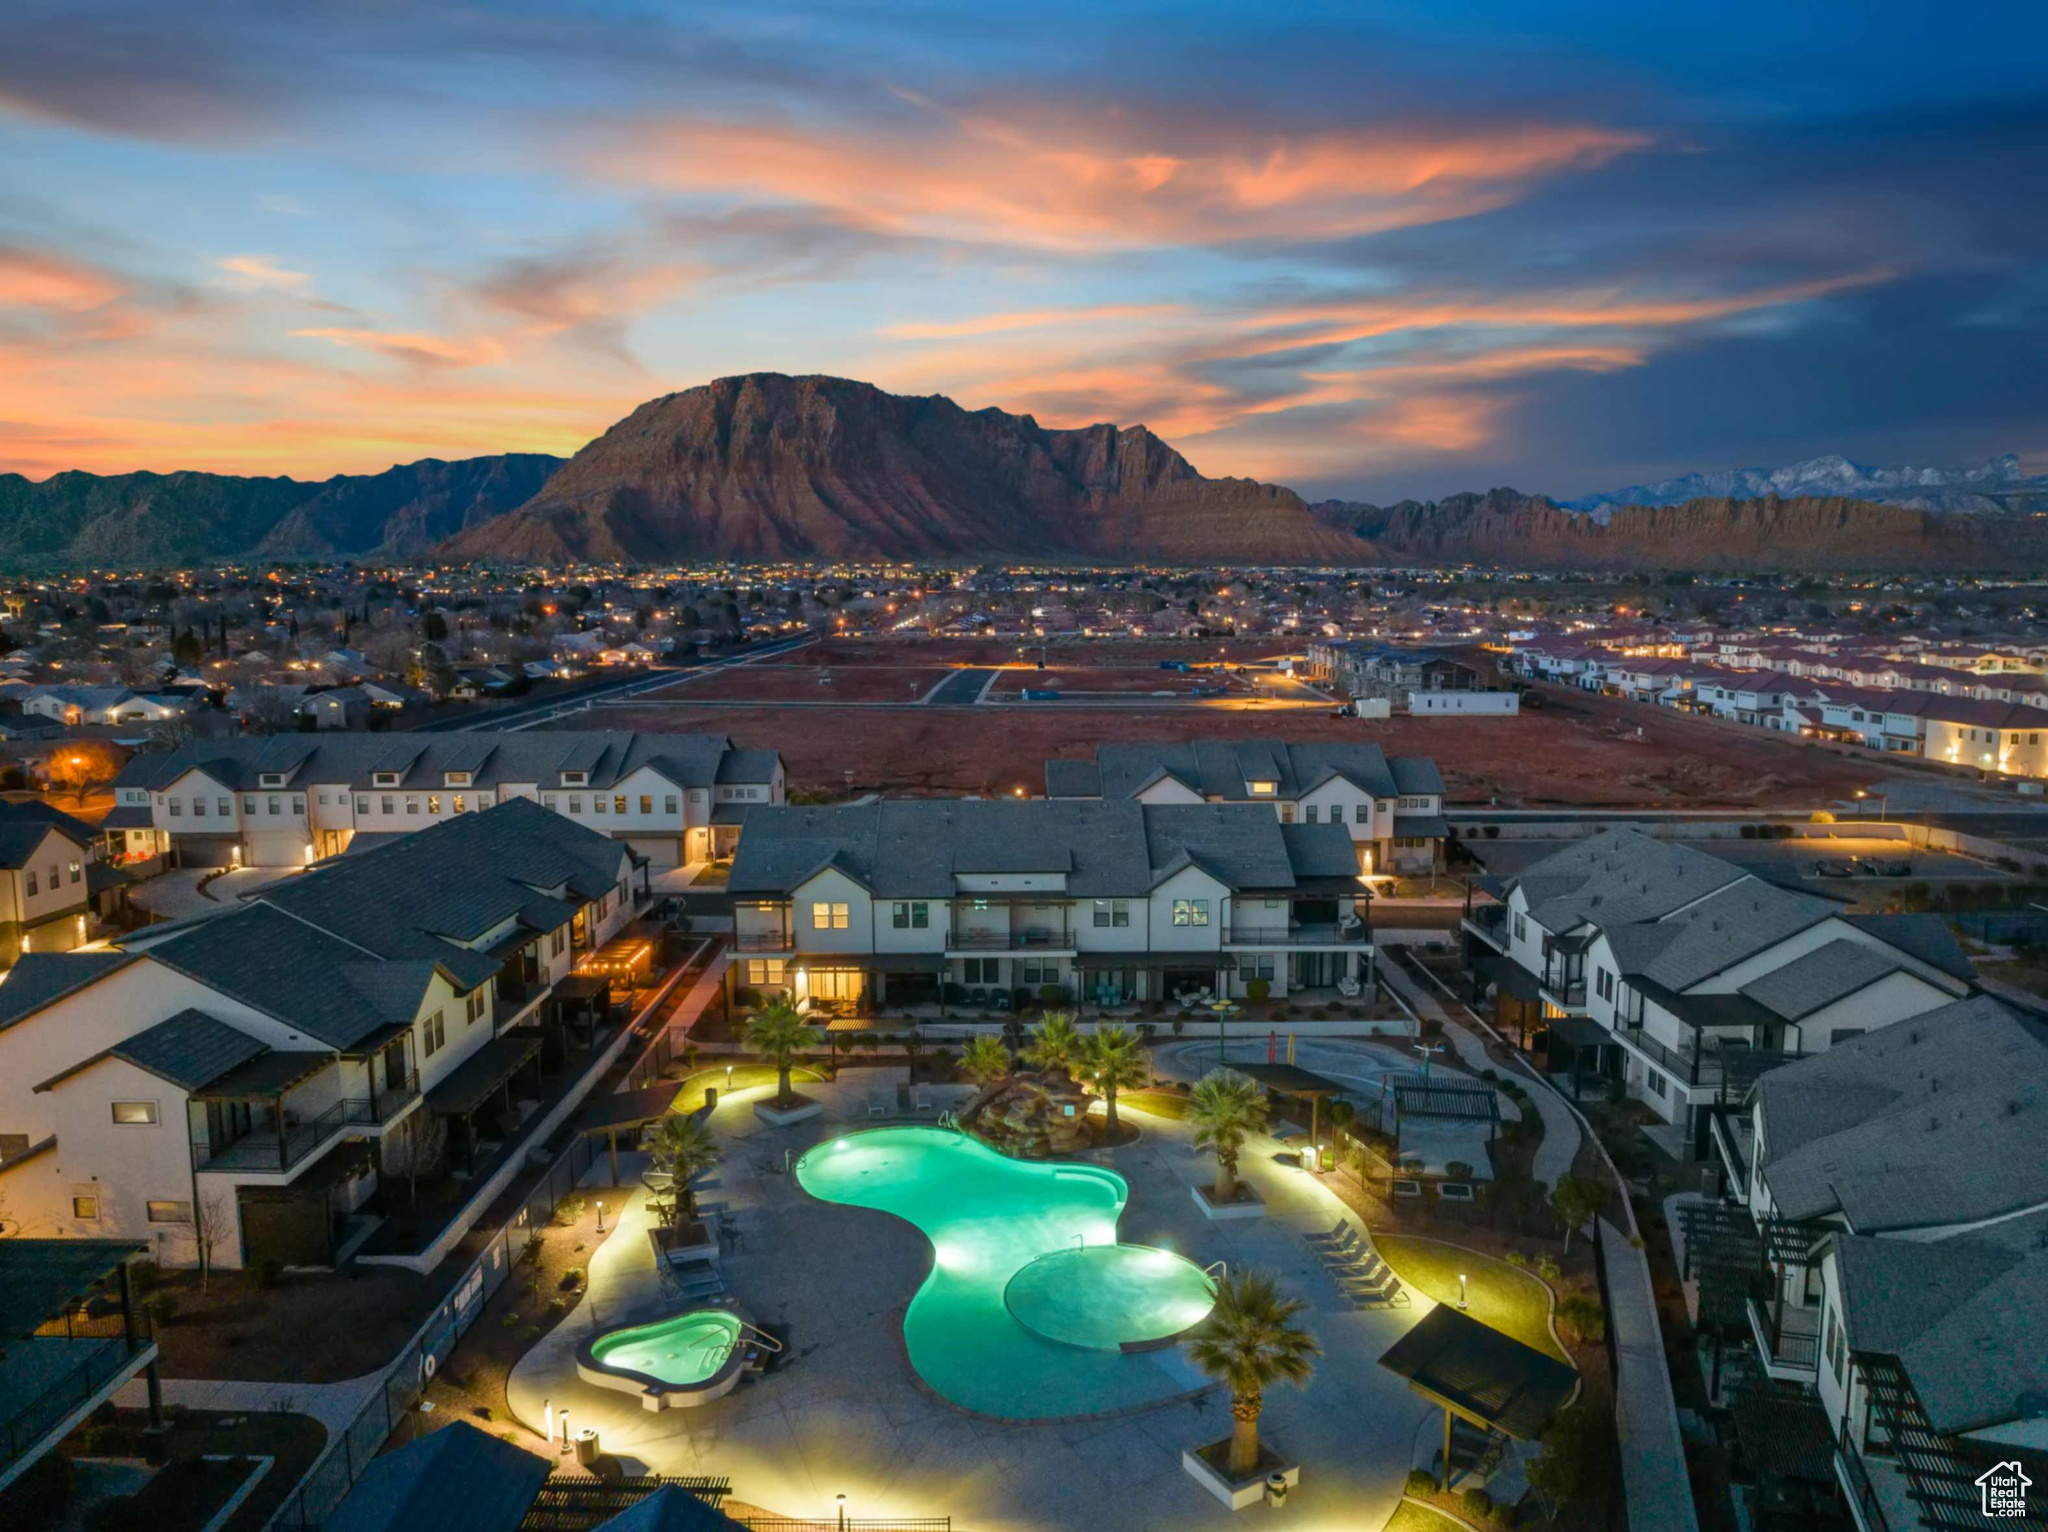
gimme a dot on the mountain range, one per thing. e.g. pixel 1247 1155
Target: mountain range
pixel 1997 485
pixel 764 466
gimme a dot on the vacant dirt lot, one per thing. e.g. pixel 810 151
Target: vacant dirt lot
pixel 1571 751
pixel 1107 678
pixel 811 681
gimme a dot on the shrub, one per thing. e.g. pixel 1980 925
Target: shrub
pixel 1051 994
pixel 1476 1504
pixel 746 998
pixel 1421 1482
pixel 1547 1269
pixel 1749 832
pixel 572 1279
pixel 1821 817
pixel 570 1208
pixel 1516 1259
pixel 270 1273
pixel 1580 1318
pixel 1258 989
pixel 163 1308
pixel 1458 1170
pixel 1493 832
pixel 557 1307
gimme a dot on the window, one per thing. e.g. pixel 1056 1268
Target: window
pixel 982 971
pixel 75 872
pixel 384 779
pixel 1262 789
pixel 298 803
pixel 362 805
pixel 1308 814
pixel 668 804
pixel 461 806
pixel 559 941
pixel 765 971
pixel 1113 914
pixel 828 917
pixel 30 874
pixel 1031 973
pixel 1191 912
pixel 273 805
pixel 1261 968
pixel 646 804
pixel 135 1114
pixel 248 805
pixel 388 805
pixel 910 916
pixel 1603 984
pixel 619 803
pixel 433 1033
pixel 458 779
pixel 547 800
pixel 198 808
pixel 412 803
pixel 1840 1035
pixel 1287 813
pixel 177 807
pixel 86 1208
pixel 1362 812
pixel 1659 1086
pixel 227 808
pixel 575 803
pixel 479 1002
pixel 600 804
pixel 575 778
pixel 433 803
pixel 169 1212
pixel 1521 928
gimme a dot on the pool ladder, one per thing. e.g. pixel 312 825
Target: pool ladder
pixel 1218 1269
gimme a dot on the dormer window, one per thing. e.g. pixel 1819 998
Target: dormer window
pixel 458 779
pixel 1263 789
pixel 384 779
pixel 575 779
pixel 271 779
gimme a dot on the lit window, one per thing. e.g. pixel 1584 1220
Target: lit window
pixel 169 1212
pixel 135 1114
pixel 86 1209
pixel 829 917
pixel 1191 912
pixel 461 804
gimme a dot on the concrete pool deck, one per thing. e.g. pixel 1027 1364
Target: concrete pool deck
pixel 845 1414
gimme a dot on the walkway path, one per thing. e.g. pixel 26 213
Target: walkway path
pixel 1560 1146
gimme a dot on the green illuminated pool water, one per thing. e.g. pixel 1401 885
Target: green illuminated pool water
pixel 685 1350
pixel 988 1219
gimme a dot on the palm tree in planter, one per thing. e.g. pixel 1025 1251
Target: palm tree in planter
pixel 779 1032
pixel 1226 1109
pixel 1249 1343
pixel 1057 1044
pixel 985 1061
pixel 1114 1060
pixel 685 1148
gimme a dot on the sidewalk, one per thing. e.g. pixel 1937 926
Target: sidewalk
pixel 1560 1144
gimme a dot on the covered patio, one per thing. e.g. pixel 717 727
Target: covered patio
pixel 484 1080
pixel 1297 1084
pixel 1478 1374
pixel 627 1111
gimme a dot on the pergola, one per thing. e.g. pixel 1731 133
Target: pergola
pixel 1726 1251
pixel 1303 1084
pixel 1477 1373
pixel 627 1111
pixel 581 997
pixel 486 1073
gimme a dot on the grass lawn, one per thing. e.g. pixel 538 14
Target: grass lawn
pixel 1409 1517
pixel 744 1077
pixel 1158 1103
pixel 1512 1301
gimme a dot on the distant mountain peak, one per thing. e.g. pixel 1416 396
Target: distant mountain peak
pixel 1988 487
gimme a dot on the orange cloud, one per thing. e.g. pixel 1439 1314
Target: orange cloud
pixel 1030 319
pixel 414 346
pixel 262 271
pixel 1108 184
pixel 31 279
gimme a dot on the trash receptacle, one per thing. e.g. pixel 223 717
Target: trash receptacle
pixel 710 1097
pixel 586 1448
pixel 1276 1489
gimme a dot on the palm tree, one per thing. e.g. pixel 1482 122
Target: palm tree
pixel 1248 1343
pixel 1113 1060
pixel 683 1146
pixel 778 1032
pixel 1225 1108
pixel 986 1060
pixel 1056 1043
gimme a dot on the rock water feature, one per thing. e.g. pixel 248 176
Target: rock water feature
pixel 1034 1115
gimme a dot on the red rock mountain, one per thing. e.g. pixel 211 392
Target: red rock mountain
pixel 765 466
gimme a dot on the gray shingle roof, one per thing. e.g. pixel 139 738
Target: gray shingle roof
pixel 1618 877
pixel 189 1049
pixel 349 758
pixel 1926 937
pixel 915 848
pixel 1825 975
pixel 41 978
pixel 1220 768
pixel 670 1509
pixel 1935 1120
pixel 456 1477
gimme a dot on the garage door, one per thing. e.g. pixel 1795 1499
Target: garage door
pixel 206 850
pixel 276 848
pixel 660 850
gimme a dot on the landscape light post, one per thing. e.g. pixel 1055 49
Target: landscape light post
pixel 1224 1010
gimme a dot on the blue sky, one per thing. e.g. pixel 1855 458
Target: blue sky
pixel 1371 250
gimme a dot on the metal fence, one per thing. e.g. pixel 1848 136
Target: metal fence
pixel 406 1378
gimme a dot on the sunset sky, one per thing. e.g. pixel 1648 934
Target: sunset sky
pixel 1368 249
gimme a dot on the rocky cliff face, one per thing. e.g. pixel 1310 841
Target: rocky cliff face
pixel 1805 533
pixel 169 518
pixel 767 466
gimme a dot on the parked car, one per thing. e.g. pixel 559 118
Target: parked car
pixel 1830 867
pixel 1887 867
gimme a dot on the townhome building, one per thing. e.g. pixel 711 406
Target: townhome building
pixel 1671 971
pixel 1869 716
pixel 101 705
pixel 51 882
pixel 1392 807
pixel 1107 902
pixel 1994 736
pixel 1883 1246
pixel 288 800
pixel 232 1086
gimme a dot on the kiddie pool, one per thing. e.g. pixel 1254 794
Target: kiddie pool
pixel 1032 1310
pixel 678 1361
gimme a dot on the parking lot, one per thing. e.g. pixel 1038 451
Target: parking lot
pixel 1783 860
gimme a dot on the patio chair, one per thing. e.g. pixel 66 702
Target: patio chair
pixel 1348 987
pixel 920 1102
pixel 1338 1231
pixel 1367 1269
pixel 1000 1000
pixel 977 996
pixel 878 1104
pixel 1384 1294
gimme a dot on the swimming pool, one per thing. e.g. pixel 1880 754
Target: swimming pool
pixel 685 1359
pixel 988 1218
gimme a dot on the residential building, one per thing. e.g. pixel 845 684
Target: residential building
pixel 1392 807
pixel 1674 970
pixel 52 885
pixel 236 1080
pixel 905 901
pixel 285 800
pixel 1888 1244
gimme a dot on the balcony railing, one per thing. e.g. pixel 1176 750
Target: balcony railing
pixel 762 941
pixel 1792 1343
pixel 1300 935
pixel 1027 939
pixel 1691 1065
pixel 1567 992
pixel 96 1352
pixel 1856 1486
pixel 385 1101
pixel 1490 924
pixel 281 1146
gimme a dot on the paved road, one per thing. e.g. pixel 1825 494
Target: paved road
pixel 529 714
pixel 961 689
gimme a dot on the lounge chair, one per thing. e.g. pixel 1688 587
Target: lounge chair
pixel 878 1104
pixel 1385 1294
pixel 1342 1229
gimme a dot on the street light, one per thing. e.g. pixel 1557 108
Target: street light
pixel 841 1498
pixel 1461 1290
pixel 1224 1010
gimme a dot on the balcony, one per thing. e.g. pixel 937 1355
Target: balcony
pixel 386 1101
pixel 763 941
pixel 1789 1345
pixel 282 1144
pixel 1566 993
pixel 1857 1489
pixel 1692 1066
pixel 1490 924
pixel 1355 934
pixel 1027 939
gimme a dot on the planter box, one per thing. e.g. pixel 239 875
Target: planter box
pixel 696 1242
pixel 1249 1204
pixel 802 1110
pixel 1239 1493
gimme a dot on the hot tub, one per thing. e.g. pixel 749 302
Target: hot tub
pixel 676 1362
